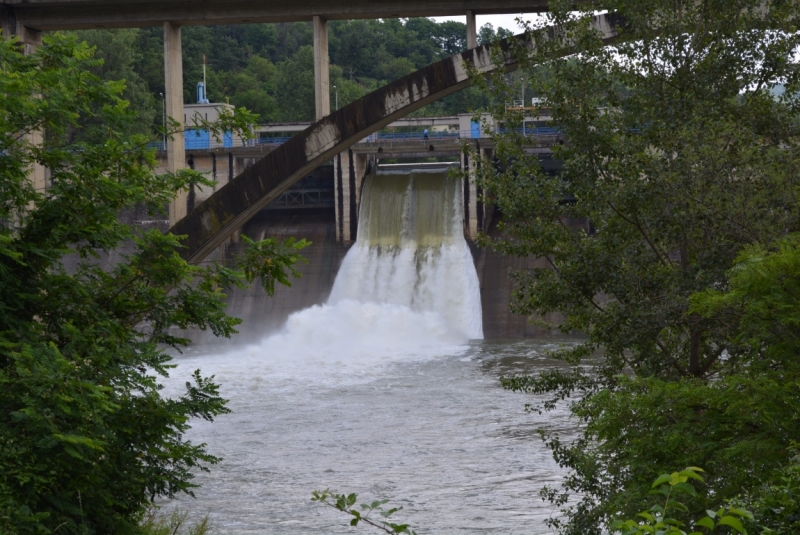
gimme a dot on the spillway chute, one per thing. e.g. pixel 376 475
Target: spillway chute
pixel 410 249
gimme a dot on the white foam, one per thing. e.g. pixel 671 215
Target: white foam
pixel 414 253
pixel 406 291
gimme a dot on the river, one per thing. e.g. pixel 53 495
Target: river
pixel 386 390
pixel 437 435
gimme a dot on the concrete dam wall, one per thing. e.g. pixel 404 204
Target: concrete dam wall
pixel 263 315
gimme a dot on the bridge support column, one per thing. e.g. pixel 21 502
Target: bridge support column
pixel 322 84
pixel 29 41
pixel 472 30
pixel 349 170
pixel 173 91
pixel 476 216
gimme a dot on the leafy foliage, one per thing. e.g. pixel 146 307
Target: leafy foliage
pixel 655 520
pixel 777 504
pixel 87 439
pixel 346 504
pixel 268 68
pixel 677 158
pixel 154 523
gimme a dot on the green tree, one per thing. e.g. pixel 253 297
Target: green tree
pixel 266 67
pixel 295 86
pixel 487 34
pixel 119 55
pixel 87 440
pixel 676 157
pixel 253 88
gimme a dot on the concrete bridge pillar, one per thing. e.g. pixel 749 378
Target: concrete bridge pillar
pixel 29 41
pixel 173 94
pixel 349 171
pixel 322 84
pixel 472 30
pixel 476 214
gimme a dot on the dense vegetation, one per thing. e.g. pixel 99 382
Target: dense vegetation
pixel 267 68
pixel 87 437
pixel 671 238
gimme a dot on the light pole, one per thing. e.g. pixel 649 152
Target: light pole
pixel 336 91
pixel 164 118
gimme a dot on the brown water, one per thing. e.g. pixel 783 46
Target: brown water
pixel 385 390
pixel 434 433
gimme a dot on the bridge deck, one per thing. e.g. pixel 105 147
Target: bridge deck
pixel 44 15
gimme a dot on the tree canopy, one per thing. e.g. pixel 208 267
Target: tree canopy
pixel 87 438
pixel 677 158
pixel 268 68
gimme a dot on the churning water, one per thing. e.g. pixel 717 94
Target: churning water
pixel 411 251
pixel 387 390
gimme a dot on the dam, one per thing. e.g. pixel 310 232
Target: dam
pixel 316 222
pixel 381 384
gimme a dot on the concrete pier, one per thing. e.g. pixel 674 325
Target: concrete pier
pixel 29 41
pixel 472 30
pixel 350 169
pixel 173 75
pixel 322 84
pixel 476 216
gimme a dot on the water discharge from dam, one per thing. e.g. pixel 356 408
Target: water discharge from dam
pixel 386 390
pixel 411 251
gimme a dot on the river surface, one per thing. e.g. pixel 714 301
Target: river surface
pixel 433 432
pixel 386 390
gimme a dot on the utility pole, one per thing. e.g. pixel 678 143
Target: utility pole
pixel 336 91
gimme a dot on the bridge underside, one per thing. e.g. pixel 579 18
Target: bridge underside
pixel 84 14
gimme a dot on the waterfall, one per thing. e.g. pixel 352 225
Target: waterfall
pixel 407 289
pixel 411 250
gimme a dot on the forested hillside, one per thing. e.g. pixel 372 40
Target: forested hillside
pixel 267 68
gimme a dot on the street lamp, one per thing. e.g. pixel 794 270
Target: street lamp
pixel 336 91
pixel 164 117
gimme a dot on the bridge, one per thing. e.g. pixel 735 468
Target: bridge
pixel 48 15
pixel 330 138
pixel 27 19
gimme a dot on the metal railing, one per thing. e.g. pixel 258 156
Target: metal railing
pixel 307 198
pixel 203 144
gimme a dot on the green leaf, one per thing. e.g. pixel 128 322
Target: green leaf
pixel 733 522
pixel 706 522
pixel 664 478
pixel 741 512
pixel 686 488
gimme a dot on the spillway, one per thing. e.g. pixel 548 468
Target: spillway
pixel 411 250
pixel 407 289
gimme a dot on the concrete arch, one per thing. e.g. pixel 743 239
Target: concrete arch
pixel 213 221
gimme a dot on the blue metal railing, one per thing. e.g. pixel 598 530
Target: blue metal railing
pixel 416 136
pixel 198 143
pixel 533 131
